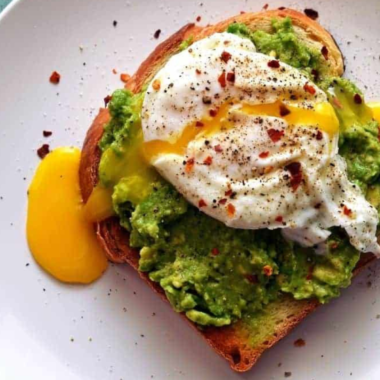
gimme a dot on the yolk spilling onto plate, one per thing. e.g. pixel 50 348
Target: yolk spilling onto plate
pixel 61 238
pixel 322 114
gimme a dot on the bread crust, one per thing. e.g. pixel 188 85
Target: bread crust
pixel 231 342
pixel 160 56
pixel 308 31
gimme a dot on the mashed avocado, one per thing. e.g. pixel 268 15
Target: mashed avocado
pixel 215 274
pixel 359 140
pixel 283 44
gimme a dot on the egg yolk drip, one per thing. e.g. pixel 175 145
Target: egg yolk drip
pixel 60 237
pixel 130 165
pixel 130 162
pixel 99 205
pixel 322 114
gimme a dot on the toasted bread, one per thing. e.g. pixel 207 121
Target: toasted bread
pixel 241 343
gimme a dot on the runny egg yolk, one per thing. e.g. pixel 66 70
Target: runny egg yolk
pixel 322 115
pixel 60 237
pixel 99 205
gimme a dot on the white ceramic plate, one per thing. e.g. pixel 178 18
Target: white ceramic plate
pixel 107 330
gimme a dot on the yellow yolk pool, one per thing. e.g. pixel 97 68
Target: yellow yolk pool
pixel 60 237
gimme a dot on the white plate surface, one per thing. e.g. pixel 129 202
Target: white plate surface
pixel 108 330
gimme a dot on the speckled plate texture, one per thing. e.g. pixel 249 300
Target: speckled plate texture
pixel 117 328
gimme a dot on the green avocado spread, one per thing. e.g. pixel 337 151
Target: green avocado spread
pixel 214 274
pixel 283 44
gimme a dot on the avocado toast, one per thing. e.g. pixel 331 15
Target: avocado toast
pixel 277 301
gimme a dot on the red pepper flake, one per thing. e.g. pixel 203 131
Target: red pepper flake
pixel 125 77
pixel 242 12
pixel 157 33
pixel 202 203
pixel 337 103
pixel 358 99
pixel 311 13
pixel 319 135
pixel 228 193
pixel 199 124
pixel 107 99
pixel 274 64
pixel 222 79
pixel 325 52
pixel 284 110
pixel 43 151
pixel 215 251
pixel 267 270
pixel 189 165
pixel 156 85
pixel 47 133
pixel 265 7
pixel 213 112
pixel 231 77
pixel 275 135
pixel 225 57
pixel 347 211
pixel 55 77
pixel 114 71
pixel 299 343
pixel 230 210
pixel 279 219
pixel 207 161
pixel 252 278
pixel 334 245
pixel 310 273
pixel 310 89
pixel 296 174
pixel 198 71
pixel 281 8
pixel 287 374
pixel 198 18
pixel 264 154
pixel 219 149
pixel 223 201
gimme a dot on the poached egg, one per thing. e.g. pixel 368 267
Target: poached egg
pixel 250 141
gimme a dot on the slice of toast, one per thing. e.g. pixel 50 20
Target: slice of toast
pixel 243 342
